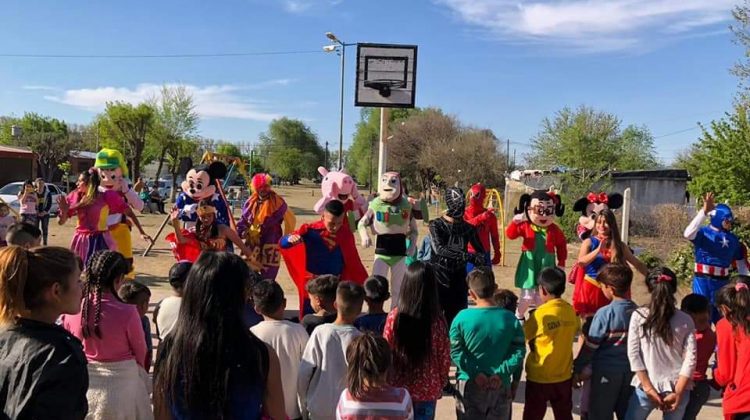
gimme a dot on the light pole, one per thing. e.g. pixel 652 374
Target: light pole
pixel 339 46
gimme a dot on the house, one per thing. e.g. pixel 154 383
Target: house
pixel 80 161
pixel 650 188
pixel 19 164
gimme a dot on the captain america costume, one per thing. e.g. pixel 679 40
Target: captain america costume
pixel 717 251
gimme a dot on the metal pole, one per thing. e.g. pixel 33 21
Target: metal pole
pixel 626 216
pixel 341 108
pixel 371 159
pixel 383 150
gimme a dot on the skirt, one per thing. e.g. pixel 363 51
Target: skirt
pixel 118 391
pixel 85 244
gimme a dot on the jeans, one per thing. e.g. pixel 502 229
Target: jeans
pixel 424 410
pixel 473 403
pixel 640 407
pixel 43 225
pixel 698 397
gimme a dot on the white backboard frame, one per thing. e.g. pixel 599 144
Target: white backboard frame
pixel 369 57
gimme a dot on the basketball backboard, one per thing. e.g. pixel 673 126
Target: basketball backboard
pixel 386 75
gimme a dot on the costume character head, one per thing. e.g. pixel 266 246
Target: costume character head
pixel 540 207
pixel 722 217
pixel 390 187
pixel 477 194
pixel 200 181
pixel 593 204
pixel 456 203
pixel 112 169
pixel 261 183
pixel 338 185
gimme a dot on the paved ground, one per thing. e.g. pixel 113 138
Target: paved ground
pixel 152 270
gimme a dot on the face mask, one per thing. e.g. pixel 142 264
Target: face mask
pixel 456 202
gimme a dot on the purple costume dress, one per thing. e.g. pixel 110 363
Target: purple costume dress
pixel 260 228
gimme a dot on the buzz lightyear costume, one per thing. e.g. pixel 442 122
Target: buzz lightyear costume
pixel 114 176
pixel 390 216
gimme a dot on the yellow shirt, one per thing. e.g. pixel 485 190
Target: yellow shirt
pixel 551 331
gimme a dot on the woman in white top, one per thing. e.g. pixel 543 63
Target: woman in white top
pixel 661 350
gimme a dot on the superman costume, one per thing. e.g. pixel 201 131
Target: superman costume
pixel 321 252
pixel 716 251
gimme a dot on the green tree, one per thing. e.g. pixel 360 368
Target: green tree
pixel 229 149
pixel 721 159
pixel 127 127
pixel 285 135
pixel 47 137
pixel 175 122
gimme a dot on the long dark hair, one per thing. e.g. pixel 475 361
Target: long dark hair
pixel 418 310
pixel 736 299
pixel 614 234
pixel 662 285
pixel 213 230
pixel 102 269
pixel 368 359
pixel 210 348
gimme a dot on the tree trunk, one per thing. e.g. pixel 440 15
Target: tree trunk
pixel 138 151
pixel 173 193
pixel 161 161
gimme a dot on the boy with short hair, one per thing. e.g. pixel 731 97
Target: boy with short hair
pixel 139 294
pixel 550 330
pixel 322 292
pixel 488 347
pixel 166 311
pixel 320 381
pixel 24 235
pixel 605 347
pixel 286 338
pixel 505 298
pixel 376 293
pixel 6 221
pixel 699 308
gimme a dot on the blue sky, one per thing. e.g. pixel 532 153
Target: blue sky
pixel 500 64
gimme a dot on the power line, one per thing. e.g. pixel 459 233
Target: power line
pixel 189 55
pixel 676 132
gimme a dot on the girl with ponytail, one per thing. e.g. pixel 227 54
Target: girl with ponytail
pixel 43 374
pixel 733 358
pixel 113 341
pixel 92 208
pixel 661 351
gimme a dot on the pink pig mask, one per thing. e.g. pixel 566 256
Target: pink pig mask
pixel 338 185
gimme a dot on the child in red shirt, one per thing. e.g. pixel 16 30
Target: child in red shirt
pixel 699 308
pixel 733 358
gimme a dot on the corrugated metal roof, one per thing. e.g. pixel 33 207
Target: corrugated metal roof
pixel 677 174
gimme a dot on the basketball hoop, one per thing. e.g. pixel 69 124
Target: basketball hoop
pixel 384 86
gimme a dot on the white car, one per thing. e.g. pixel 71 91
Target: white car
pixel 9 194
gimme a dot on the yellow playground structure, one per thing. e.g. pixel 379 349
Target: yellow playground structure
pixel 493 200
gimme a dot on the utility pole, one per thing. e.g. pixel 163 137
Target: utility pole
pixel 507 155
pixel 326 165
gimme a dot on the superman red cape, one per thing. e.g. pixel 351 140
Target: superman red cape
pixel 295 259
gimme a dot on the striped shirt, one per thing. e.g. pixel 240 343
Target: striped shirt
pixel 387 403
pixel 606 344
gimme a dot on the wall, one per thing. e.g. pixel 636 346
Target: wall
pixel 16 169
pixel 647 193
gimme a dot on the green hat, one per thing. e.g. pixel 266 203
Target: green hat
pixel 110 159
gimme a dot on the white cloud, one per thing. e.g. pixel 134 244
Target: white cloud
pixel 212 101
pixel 301 6
pixel 591 25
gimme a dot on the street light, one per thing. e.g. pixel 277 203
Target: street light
pixel 339 46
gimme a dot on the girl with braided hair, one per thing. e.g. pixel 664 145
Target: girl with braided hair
pixel 43 373
pixel 113 341
pixel 92 208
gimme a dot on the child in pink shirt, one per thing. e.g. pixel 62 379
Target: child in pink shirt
pixel 113 341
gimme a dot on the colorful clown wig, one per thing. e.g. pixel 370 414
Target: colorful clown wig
pixel 111 159
pixel 261 182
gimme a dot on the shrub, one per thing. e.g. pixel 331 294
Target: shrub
pixel 649 257
pixel 682 262
pixel 670 220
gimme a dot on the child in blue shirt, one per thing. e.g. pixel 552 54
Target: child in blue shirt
pixel 376 293
pixel 606 347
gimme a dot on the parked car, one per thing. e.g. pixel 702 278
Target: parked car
pixel 9 194
pixel 165 187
